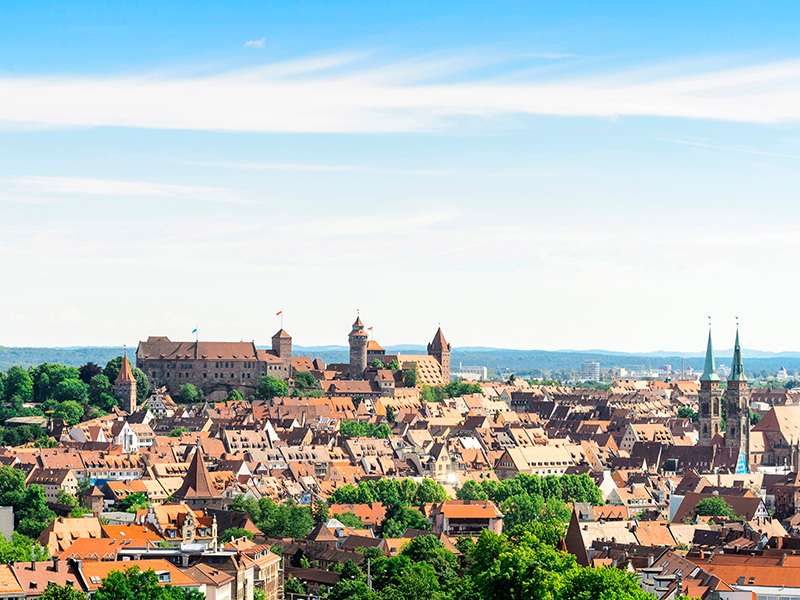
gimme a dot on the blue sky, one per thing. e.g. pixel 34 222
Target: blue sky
pixel 531 175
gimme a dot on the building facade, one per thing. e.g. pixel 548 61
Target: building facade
pixel 213 366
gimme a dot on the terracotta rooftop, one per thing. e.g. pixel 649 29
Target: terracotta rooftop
pixel 125 373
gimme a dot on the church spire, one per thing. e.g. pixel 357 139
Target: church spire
pixel 710 369
pixel 737 367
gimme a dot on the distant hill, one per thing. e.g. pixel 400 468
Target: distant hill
pixel 73 357
pixel 523 362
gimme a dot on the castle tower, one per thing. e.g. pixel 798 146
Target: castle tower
pixel 737 419
pixel 125 386
pixel 358 340
pixel 710 397
pixel 440 350
pixel 282 347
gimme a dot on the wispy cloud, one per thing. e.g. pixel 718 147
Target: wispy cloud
pixel 79 186
pixel 311 96
pixel 730 148
pixel 256 43
pixel 359 169
pixel 553 55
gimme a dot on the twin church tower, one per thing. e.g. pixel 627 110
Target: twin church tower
pixel 736 398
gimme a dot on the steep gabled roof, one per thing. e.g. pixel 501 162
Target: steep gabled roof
pixel 125 373
pixel 197 483
pixel 438 343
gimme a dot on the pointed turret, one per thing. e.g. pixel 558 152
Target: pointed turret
pixel 737 367
pixel 125 372
pixel 710 369
pixel 439 343
pixel 198 487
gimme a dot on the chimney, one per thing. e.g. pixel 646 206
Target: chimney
pixel 649 560
pixel 56 564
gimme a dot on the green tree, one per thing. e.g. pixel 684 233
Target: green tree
pixel 188 394
pixel 714 506
pixel 410 377
pixel 304 379
pixel 70 411
pixel 234 396
pixel 471 490
pixel 351 590
pixel 430 491
pixel 377 364
pixel 686 412
pixel 605 583
pixel 234 533
pixel 135 584
pixel 428 549
pixel 71 390
pixel 101 393
pixel 524 508
pixel 393 365
pixel 320 512
pixel 349 519
pixel 31 514
pixel 292 585
pixel 754 417
pixel 46 378
pixel 53 591
pixel 178 431
pixel 18 383
pixel 271 387
pixel 133 502
pixel 21 549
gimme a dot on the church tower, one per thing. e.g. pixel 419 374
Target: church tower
pixel 710 397
pixel 440 350
pixel 125 386
pixel 358 340
pixel 737 419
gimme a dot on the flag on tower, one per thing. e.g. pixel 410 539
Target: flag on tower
pixel 279 312
pixel 370 328
pixel 194 330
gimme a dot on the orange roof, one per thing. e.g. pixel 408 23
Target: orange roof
pixel 125 373
pixel 95 571
pixel 772 571
pixel 138 532
pixel 9 583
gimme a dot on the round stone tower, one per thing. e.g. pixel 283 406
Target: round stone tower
pixel 358 339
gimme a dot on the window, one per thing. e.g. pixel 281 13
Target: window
pixel 95 579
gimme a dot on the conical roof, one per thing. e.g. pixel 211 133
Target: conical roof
pixel 125 373
pixel 358 324
pixel 281 334
pixel 439 343
pixel 737 367
pixel 710 369
pixel 197 483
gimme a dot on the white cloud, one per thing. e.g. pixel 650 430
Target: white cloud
pixel 306 96
pixel 729 148
pixel 81 186
pixel 255 43
pixel 553 55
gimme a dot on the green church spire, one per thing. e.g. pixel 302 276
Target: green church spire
pixel 737 368
pixel 710 369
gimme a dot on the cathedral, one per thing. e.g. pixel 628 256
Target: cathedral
pixel 736 399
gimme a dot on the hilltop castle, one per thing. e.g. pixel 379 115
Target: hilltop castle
pixel 225 366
